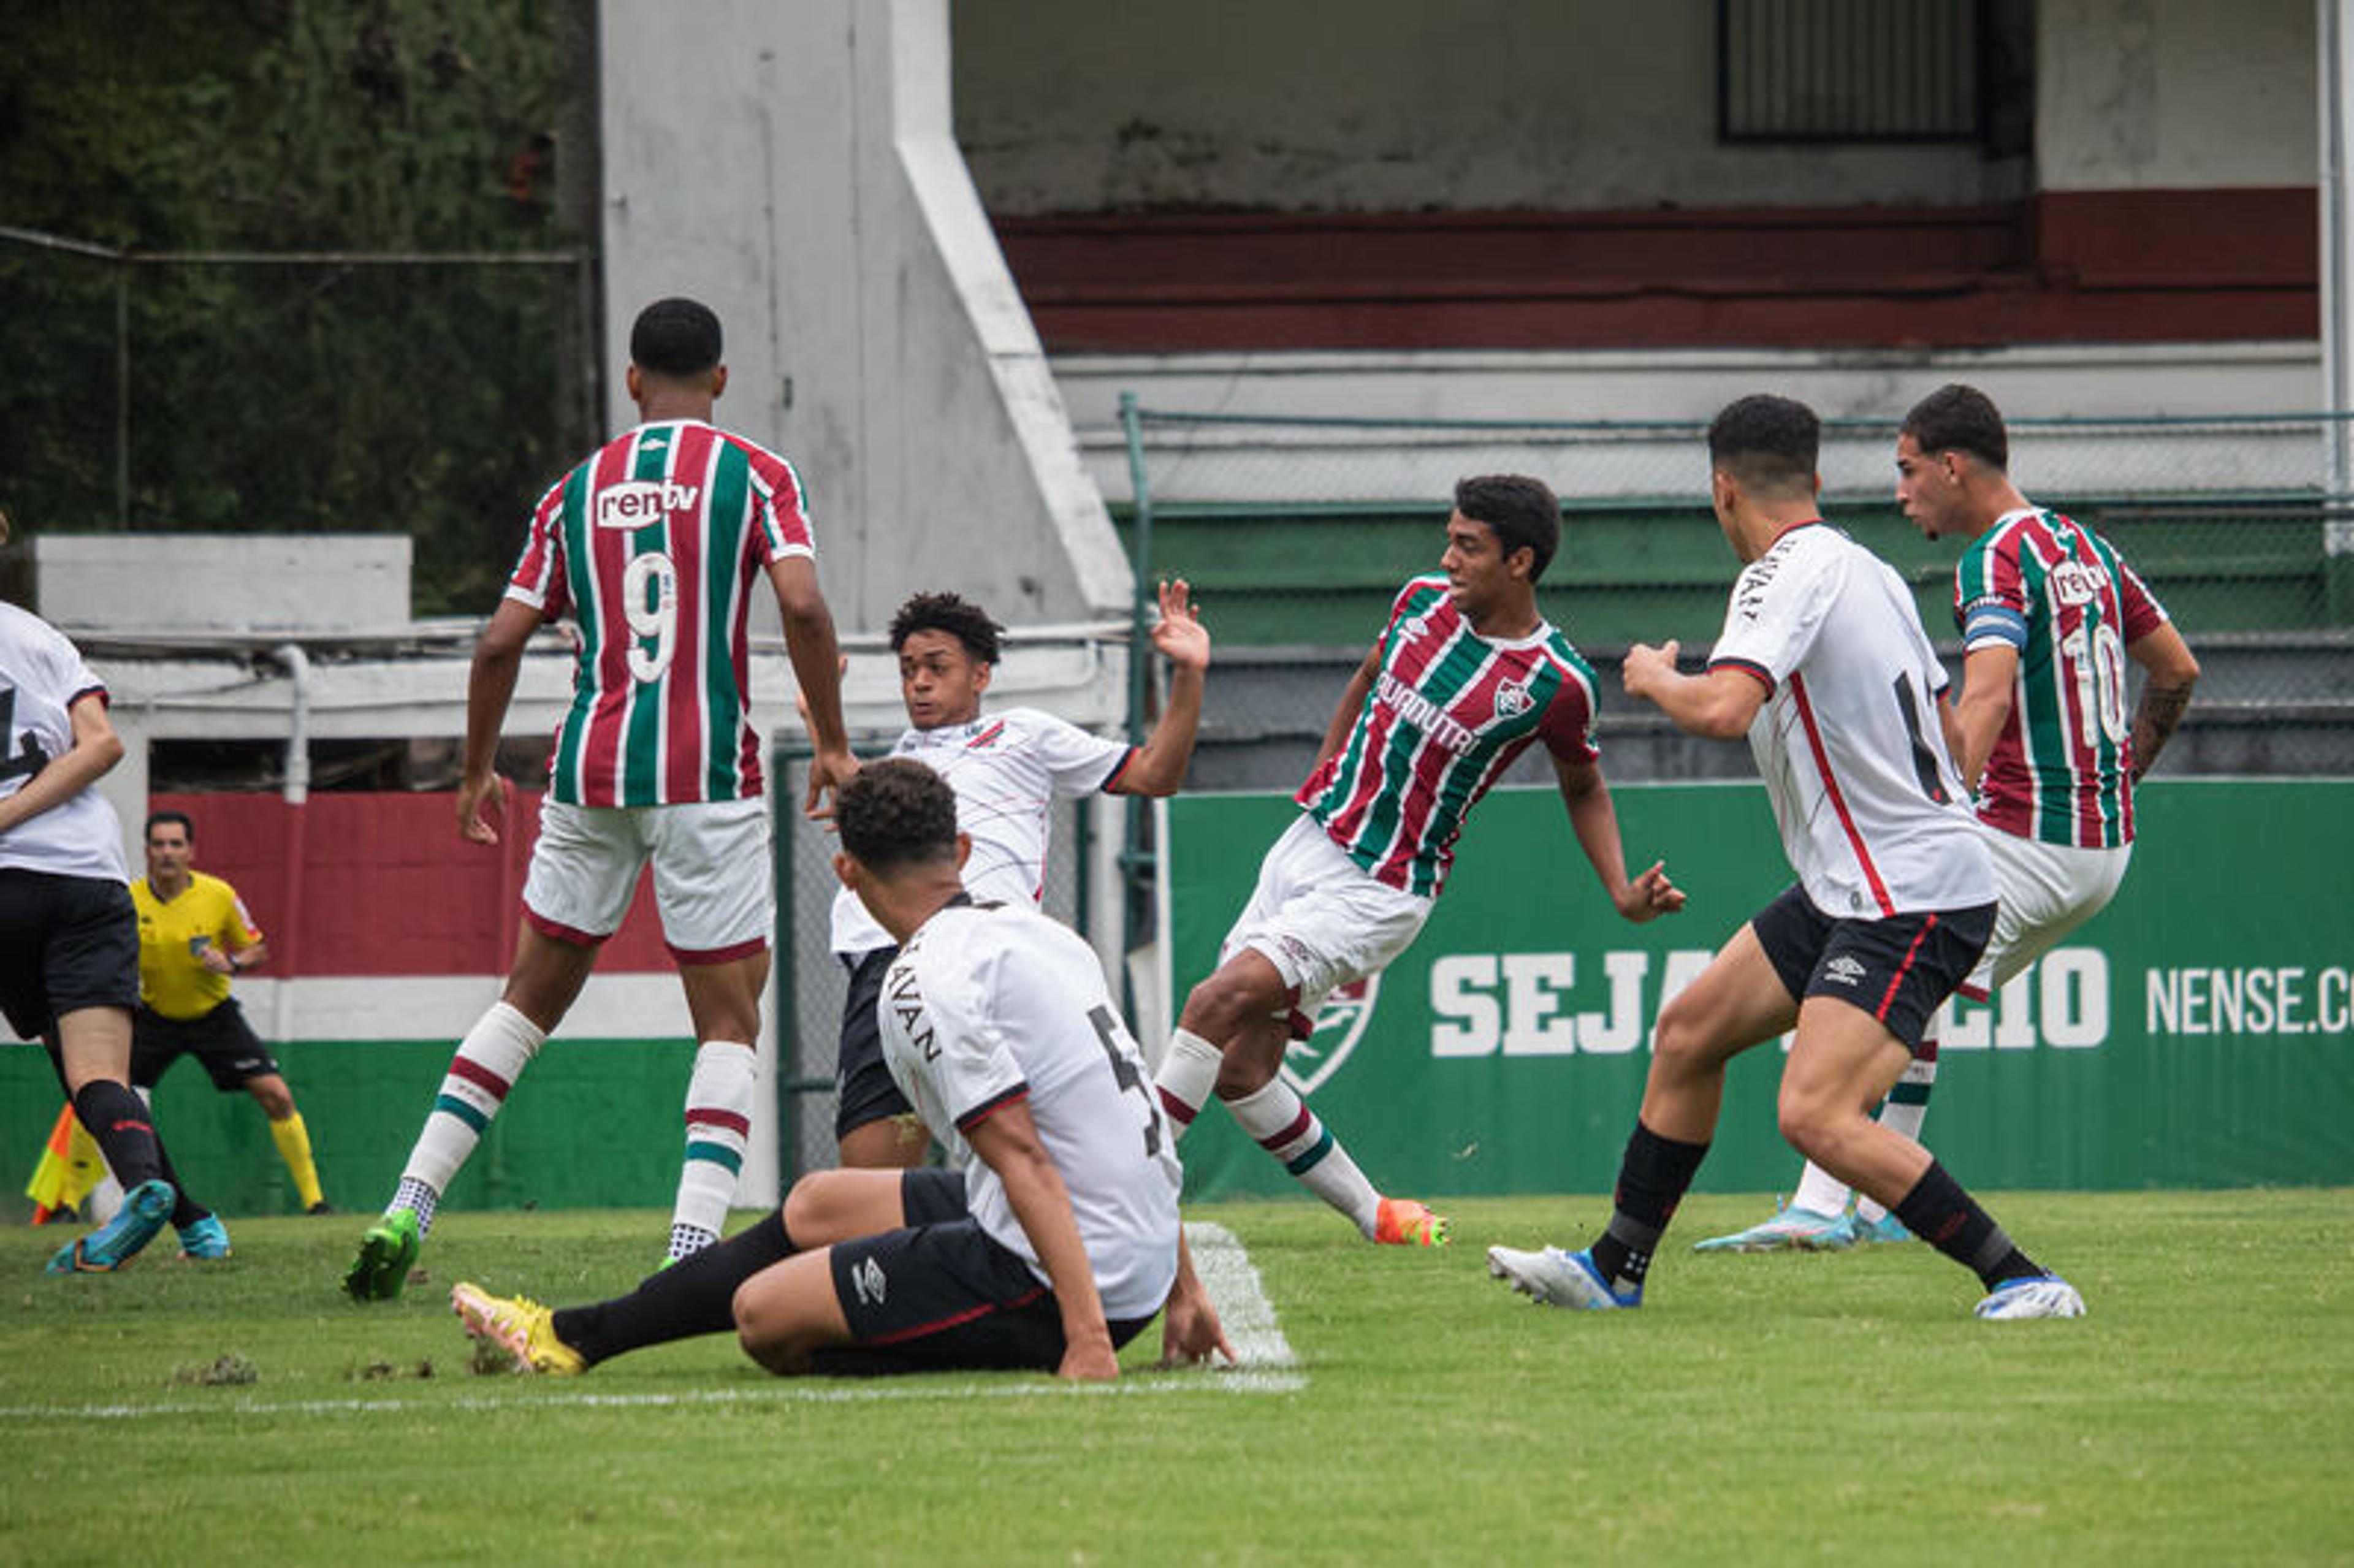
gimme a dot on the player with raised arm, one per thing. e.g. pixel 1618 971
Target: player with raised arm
pixel 1823 664
pixel 1007 768
pixel 1051 1238
pixel 2049 613
pixel 1465 675
pixel 654 545
pixel 68 935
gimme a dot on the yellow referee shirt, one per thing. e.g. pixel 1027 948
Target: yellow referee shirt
pixel 172 979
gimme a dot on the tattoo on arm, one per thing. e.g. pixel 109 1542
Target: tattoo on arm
pixel 2155 716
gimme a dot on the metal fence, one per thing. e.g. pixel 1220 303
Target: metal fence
pixel 426 393
pixel 1296 531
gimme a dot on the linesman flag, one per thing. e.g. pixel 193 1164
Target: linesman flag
pixel 70 1168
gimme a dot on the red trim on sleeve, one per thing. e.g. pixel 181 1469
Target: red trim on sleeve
pixel 105 698
pixel 1756 672
pixel 1119 769
pixel 989 1108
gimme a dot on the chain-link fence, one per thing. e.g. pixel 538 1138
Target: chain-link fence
pixel 1296 531
pixel 429 394
pixel 811 982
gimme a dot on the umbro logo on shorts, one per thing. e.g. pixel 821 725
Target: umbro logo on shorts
pixel 867 1279
pixel 1844 969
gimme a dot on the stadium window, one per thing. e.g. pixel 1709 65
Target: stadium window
pixel 1862 70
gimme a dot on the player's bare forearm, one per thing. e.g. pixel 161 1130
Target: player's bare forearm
pixel 1168 751
pixel 2170 672
pixel 1007 1141
pixel 1594 818
pixel 1717 706
pixel 1989 675
pixel 96 748
pixel 1353 703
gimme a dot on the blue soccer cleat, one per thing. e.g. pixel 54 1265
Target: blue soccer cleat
pixel 205 1238
pixel 144 1209
pixel 1881 1231
pixel 1790 1230
pixel 1558 1278
pixel 2032 1296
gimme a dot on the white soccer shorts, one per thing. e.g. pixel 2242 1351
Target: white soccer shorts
pixel 1320 919
pixel 713 880
pixel 2045 891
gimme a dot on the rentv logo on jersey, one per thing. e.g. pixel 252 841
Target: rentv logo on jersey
pixel 640 503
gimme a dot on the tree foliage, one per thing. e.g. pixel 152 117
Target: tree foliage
pixel 431 400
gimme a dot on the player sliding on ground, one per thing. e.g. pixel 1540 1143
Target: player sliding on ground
pixel 1050 1239
pixel 1464 677
pixel 2049 611
pixel 1824 664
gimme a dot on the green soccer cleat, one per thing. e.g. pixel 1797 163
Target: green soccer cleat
pixel 388 1252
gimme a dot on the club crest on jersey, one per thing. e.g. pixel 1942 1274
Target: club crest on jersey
pixel 1511 699
pixel 1341 1022
pixel 640 502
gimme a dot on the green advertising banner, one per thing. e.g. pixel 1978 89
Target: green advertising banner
pixel 2198 1032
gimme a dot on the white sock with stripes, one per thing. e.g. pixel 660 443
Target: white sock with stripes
pixel 489 1060
pixel 1188 1073
pixel 718 1128
pixel 1908 1107
pixel 1287 1128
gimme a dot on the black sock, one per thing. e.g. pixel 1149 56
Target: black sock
pixel 693 1296
pixel 185 1211
pixel 1653 1176
pixel 117 1119
pixel 1938 1211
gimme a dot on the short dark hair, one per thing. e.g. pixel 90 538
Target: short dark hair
pixel 675 337
pixel 1522 511
pixel 896 813
pixel 1958 419
pixel 159 818
pixel 1767 442
pixel 959 617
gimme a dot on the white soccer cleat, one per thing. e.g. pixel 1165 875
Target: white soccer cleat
pixel 2035 1296
pixel 1558 1278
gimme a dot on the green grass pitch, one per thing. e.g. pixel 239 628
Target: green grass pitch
pixel 1759 1409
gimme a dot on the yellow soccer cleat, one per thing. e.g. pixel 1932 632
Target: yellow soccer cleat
pixel 517 1325
pixel 1402 1221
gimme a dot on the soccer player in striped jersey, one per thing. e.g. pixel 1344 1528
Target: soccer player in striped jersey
pixel 654 546
pixel 1007 769
pixel 1052 1236
pixel 2049 613
pixel 1465 675
pixel 1824 665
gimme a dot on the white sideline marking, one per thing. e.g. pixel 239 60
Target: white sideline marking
pixel 1265 1365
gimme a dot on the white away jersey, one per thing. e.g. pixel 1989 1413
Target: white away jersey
pixel 1007 770
pixel 41 677
pixel 988 1005
pixel 1873 815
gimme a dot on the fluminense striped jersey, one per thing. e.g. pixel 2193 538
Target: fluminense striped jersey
pixel 1447 714
pixel 2059 593
pixel 654 545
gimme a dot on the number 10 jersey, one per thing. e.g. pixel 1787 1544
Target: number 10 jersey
pixel 2061 595
pixel 656 545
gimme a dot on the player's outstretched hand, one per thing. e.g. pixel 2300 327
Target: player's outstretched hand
pixel 1090 1359
pixel 1191 1334
pixel 479 801
pixel 1649 894
pixel 829 771
pixel 1179 635
pixel 1647 667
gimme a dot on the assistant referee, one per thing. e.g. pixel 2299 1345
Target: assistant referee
pixel 193 934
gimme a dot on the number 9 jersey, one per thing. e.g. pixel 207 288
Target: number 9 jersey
pixel 2062 769
pixel 987 1004
pixel 654 546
